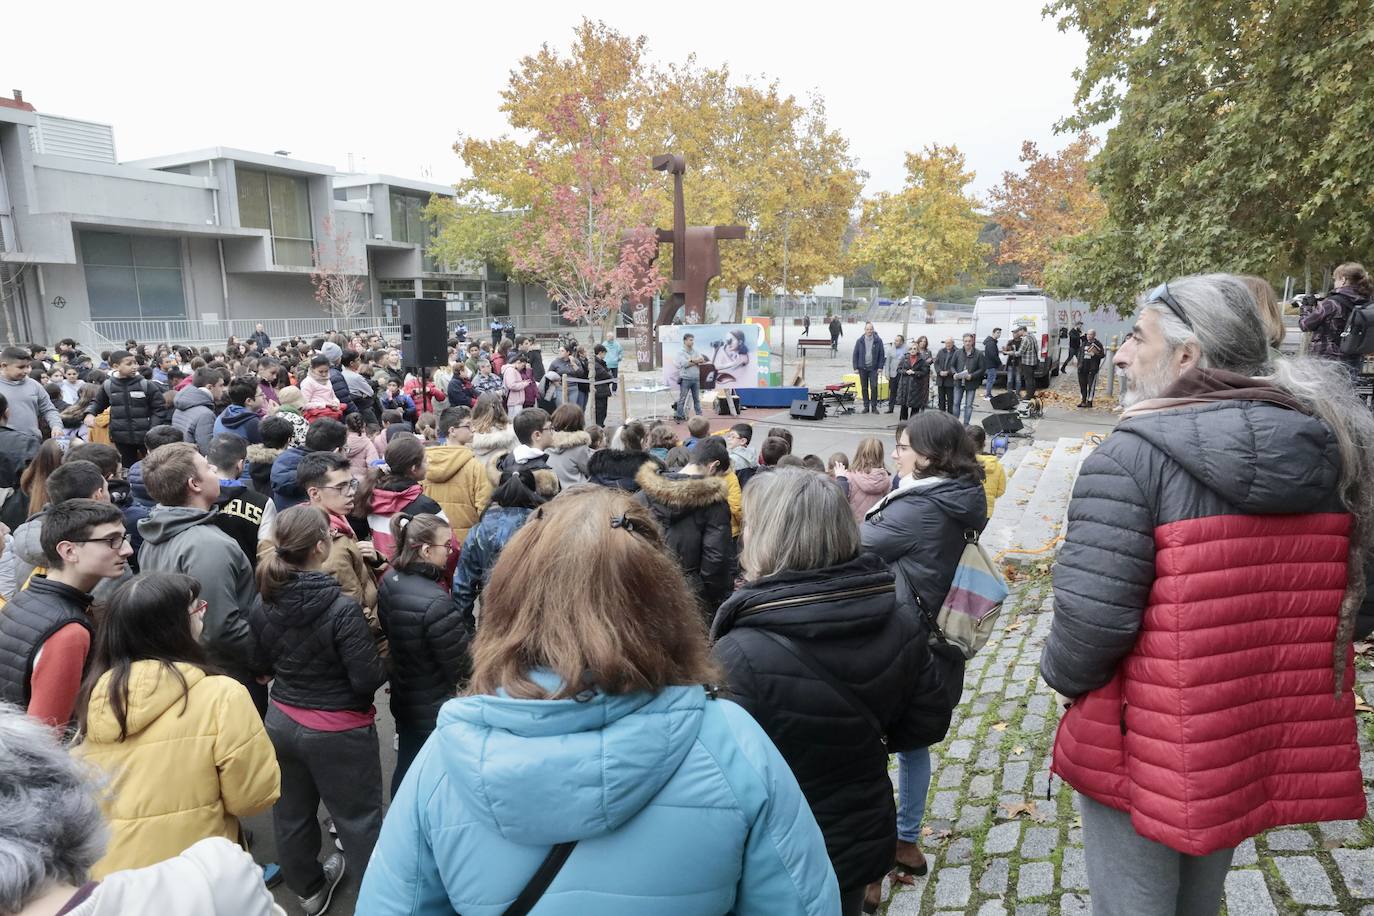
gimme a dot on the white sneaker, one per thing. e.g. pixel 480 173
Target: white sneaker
pixel 333 874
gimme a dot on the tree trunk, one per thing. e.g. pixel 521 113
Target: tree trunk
pixel 739 304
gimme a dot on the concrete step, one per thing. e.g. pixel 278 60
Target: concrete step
pixel 1035 536
pixel 1012 505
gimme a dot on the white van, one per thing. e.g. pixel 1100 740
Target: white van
pixel 1019 306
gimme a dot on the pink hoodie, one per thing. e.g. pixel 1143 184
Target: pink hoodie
pixel 866 489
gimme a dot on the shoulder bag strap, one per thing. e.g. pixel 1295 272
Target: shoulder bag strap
pixel 552 865
pixel 931 619
pixel 836 685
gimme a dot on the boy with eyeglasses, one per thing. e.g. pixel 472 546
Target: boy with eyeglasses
pixel 457 479
pixel 45 632
pixel 328 483
pixel 180 535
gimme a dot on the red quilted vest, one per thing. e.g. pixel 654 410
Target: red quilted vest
pixel 1221 723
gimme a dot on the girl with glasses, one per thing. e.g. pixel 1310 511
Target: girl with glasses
pixel 429 642
pixel 181 744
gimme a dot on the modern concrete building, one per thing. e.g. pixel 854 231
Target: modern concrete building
pixel 200 245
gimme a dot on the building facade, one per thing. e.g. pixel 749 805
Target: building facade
pixel 197 246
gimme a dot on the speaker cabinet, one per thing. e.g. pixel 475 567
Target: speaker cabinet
pixel 1007 401
pixel 807 409
pixel 424 333
pixel 1002 423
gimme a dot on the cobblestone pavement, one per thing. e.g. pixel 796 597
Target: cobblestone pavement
pixel 998 847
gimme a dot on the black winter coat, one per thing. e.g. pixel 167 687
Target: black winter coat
pixel 944 362
pixel 846 618
pixel 340 385
pixel 913 390
pixel 614 467
pixel 429 643
pixel 695 517
pixel 136 406
pixel 317 644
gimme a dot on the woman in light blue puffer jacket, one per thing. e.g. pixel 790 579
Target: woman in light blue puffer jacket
pixel 677 801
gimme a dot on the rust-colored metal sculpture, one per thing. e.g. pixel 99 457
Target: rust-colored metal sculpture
pixel 696 251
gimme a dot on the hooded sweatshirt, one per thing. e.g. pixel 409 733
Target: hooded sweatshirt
pixel 680 804
pixel 392 496
pixel 240 421
pixel 193 762
pixel 568 457
pixel 182 539
pixel 458 482
pixel 195 416
pixel 30 407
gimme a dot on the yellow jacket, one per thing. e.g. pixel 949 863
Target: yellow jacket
pixel 736 501
pixel 192 764
pixel 458 482
pixel 995 479
pixel 100 432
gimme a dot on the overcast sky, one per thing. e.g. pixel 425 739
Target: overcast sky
pixel 394 82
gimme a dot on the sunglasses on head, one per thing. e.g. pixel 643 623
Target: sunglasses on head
pixel 1162 295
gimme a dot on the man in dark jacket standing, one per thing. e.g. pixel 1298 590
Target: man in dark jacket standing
pixel 944 375
pixel 969 366
pixel 136 405
pixel 260 338
pixel 869 362
pixel 1206 596
pixel 836 332
pixel 1075 346
pixel 992 355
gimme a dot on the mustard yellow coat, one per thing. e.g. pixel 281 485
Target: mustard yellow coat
pixel 457 481
pixel 994 480
pixel 192 764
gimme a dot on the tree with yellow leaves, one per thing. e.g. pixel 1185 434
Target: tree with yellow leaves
pixel 925 235
pixel 1052 199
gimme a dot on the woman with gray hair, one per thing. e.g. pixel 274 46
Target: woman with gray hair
pixel 816 646
pixel 51 834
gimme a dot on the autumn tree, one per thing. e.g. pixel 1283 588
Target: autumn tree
pixel 339 279
pixel 1237 139
pixel 1052 199
pixel 925 235
pixel 756 157
pixel 574 239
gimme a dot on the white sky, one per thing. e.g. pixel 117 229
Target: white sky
pixel 394 82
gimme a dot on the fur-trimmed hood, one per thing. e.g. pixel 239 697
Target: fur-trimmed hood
pixel 261 454
pixel 484 445
pixel 564 441
pixel 681 493
pixel 615 467
pixel 546 481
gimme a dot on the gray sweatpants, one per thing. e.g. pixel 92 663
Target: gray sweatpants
pixel 1132 876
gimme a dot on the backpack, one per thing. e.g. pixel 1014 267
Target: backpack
pixel 1357 338
pixel 974 602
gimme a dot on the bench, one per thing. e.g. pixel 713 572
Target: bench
pixel 812 343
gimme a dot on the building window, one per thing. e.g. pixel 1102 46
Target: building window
pixel 133 276
pixel 281 205
pixel 408 224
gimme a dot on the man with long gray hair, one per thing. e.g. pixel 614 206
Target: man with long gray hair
pixel 1211 580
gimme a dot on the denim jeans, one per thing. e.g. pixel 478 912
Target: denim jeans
pixel 913 785
pixel 868 384
pixel 988 382
pixel 964 393
pixel 688 386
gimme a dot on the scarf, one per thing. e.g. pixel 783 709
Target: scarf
pixel 1204 386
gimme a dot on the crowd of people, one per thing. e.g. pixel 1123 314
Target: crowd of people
pixel 633 672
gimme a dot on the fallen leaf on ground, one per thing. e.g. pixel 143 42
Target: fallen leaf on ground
pixel 926 831
pixel 1362 706
pixel 1332 843
pixel 1015 624
pixel 1018 749
pixel 1000 727
pixel 1015 810
pixel 1364 648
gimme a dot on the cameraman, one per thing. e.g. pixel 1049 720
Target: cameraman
pixel 1326 318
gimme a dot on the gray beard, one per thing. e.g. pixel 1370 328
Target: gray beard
pixel 1147 384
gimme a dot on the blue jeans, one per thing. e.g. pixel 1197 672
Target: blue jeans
pixel 686 386
pixel 964 393
pixel 992 377
pixel 913 785
pixel 409 743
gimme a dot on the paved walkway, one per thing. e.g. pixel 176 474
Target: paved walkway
pixel 997 846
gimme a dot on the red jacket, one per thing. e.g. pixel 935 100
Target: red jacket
pixel 1196 603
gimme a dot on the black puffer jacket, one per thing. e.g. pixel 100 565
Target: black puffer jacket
pixel 846 618
pixel 429 643
pixel 27 622
pixel 136 406
pixel 614 467
pixel 695 516
pixel 317 644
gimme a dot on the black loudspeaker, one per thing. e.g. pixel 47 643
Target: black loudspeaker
pixel 1002 423
pixel 424 333
pixel 1007 401
pixel 807 409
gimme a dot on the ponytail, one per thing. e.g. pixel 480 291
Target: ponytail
pixel 297 531
pixel 412 534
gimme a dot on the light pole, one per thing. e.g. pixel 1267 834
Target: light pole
pixel 786 227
